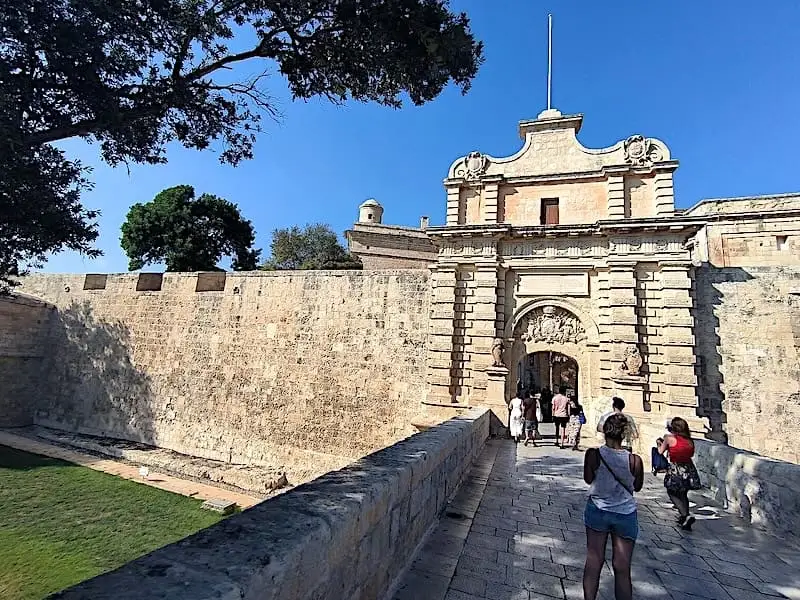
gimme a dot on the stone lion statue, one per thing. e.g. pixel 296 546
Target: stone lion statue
pixel 632 363
pixel 497 353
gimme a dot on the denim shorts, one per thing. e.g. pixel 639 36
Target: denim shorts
pixel 604 521
pixel 531 426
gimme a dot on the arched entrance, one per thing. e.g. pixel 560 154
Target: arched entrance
pixel 544 372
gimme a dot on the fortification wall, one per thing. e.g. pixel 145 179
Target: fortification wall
pixel 348 534
pixel 747 334
pixel 23 322
pixel 303 369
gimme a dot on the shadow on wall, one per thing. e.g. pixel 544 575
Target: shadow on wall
pixel 709 300
pixel 92 384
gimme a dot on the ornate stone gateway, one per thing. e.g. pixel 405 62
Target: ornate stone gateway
pixel 561 250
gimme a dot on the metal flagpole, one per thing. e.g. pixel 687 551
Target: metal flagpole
pixel 549 59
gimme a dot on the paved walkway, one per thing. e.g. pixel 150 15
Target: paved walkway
pixel 515 531
pixel 165 482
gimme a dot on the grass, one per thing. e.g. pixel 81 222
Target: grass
pixel 61 523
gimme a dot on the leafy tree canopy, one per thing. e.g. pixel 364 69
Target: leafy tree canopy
pixel 188 234
pixel 313 247
pixel 134 75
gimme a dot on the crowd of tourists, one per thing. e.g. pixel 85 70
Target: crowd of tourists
pixel 614 473
pixel 526 414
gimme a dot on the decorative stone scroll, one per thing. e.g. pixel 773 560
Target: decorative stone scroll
pixel 552 325
pixel 641 151
pixel 473 166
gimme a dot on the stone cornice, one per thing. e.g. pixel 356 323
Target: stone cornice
pixel 667 166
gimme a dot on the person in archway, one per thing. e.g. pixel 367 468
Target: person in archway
pixel 531 418
pixel 576 422
pixel 516 422
pixel 614 475
pixel 561 415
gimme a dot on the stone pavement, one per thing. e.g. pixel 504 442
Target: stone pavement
pixel 168 483
pixel 514 531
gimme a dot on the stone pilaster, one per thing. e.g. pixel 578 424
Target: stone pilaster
pixel 491 189
pixel 664 194
pixel 441 351
pixel 453 201
pixel 676 378
pixel 616 197
pixel 623 332
pixel 482 328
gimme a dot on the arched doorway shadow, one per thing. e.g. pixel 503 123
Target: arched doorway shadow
pixel 547 372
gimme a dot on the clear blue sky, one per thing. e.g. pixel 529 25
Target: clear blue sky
pixel 717 81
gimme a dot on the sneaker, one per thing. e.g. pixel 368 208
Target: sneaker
pixel 687 525
pixel 526 442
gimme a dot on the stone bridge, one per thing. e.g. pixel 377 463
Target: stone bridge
pixel 448 515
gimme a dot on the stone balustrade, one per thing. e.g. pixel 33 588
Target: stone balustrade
pixel 346 535
pixel 765 491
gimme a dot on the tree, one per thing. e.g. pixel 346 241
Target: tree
pixel 136 75
pixel 188 234
pixel 313 247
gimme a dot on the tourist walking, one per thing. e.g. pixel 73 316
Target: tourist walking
pixel 531 419
pixel 682 475
pixel 614 474
pixel 516 421
pixel 561 415
pixel 576 421
pixel 631 431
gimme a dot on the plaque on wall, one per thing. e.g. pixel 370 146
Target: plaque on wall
pixel 553 284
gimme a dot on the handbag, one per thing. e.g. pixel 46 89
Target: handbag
pixel 682 476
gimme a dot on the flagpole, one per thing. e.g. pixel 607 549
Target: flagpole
pixel 549 59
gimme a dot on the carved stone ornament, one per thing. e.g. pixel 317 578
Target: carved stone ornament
pixel 474 166
pixel 552 325
pixel 632 363
pixel 641 151
pixel 497 353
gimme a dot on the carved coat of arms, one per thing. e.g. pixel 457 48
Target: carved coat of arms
pixel 553 325
pixel 641 151
pixel 475 165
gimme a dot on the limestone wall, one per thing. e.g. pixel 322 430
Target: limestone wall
pixel 23 322
pixel 747 332
pixel 346 535
pixel 312 368
pixel 765 492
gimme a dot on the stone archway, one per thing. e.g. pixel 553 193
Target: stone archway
pixel 553 326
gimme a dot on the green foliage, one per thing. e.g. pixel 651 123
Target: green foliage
pixel 135 76
pixel 313 247
pixel 188 234
pixel 61 523
pixel 40 210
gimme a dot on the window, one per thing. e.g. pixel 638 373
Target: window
pixel 549 211
pixel 781 242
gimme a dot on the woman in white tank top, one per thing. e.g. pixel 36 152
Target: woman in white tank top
pixel 614 475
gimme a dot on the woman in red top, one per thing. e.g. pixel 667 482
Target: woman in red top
pixel 682 475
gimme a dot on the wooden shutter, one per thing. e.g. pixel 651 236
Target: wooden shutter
pixel 549 211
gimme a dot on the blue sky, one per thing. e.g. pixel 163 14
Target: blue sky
pixel 717 81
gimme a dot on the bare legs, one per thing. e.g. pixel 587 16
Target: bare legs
pixel 621 562
pixel 595 555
